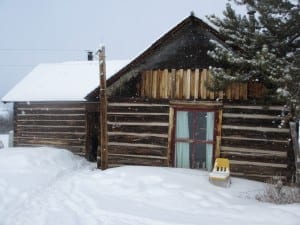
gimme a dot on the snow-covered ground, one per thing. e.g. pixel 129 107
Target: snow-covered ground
pixel 52 186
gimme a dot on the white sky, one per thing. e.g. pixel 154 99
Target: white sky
pixel 45 31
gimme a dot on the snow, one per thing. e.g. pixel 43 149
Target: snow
pixel 68 81
pixel 4 139
pixel 40 186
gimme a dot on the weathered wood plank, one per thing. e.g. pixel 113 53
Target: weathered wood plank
pixel 159 84
pixel 255 143
pixel 50 117
pixel 132 150
pixel 67 135
pixel 142 87
pixel 50 105
pixel 203 90
pixel 121 160
pixel 210 93
pixel 187 84
pixel 257 157
pixel 180 84
pixel 137 118
pixel 155 84
pixel 196 84
pixel 138 139
pixel 142 129
pixel 50 141
pixel 165 83
pixel 52 122
pixel 49 129
pixel 172 88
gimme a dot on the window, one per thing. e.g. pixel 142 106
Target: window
pixel 194 139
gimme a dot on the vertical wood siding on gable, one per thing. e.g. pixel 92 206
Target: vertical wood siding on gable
pixel 187 85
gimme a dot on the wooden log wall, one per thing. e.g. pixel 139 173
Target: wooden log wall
pixel 256 143
pixel 137 133
pixel 187 85
pixel 59 125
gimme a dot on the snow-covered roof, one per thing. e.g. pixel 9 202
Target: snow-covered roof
pixel 68 81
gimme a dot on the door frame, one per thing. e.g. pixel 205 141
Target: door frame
pixel 202 106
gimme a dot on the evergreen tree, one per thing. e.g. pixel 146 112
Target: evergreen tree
pixel 263 46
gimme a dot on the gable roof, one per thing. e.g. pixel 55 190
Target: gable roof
pixel 68 81
pixel 156 46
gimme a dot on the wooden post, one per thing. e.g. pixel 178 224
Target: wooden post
pixel 103 162
pixel 296 149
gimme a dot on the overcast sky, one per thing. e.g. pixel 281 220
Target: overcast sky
pixel 44 31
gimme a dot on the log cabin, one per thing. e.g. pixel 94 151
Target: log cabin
pixel 50 108
pixel 160 112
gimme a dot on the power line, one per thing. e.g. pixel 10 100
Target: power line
pixel 16 65
pixel 41 50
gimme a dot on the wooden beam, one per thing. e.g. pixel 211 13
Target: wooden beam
pixel 173 84
pixel 170 135
pixel 154 84
pixel 196 85
pixel 102 156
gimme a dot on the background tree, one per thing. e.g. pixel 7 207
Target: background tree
pixel 262 45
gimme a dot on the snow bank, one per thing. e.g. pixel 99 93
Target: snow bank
pixel 50 186
pixel 24 173
pixel 69 81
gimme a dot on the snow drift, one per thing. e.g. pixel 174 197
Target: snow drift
pixel 52 186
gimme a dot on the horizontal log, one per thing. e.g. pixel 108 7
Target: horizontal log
pixel 50 117
pixel 52 122
pixel 251 163
pixel 50 141
pixel 138 109
pixel 138 113
pixel 138 118
pixel 138 134
pixel 138 156
pixel 250 116
pixel 252 122
pixel 255 132
pixel 64 135
pixel 117 160
pixel 146 124
pixel 258 143
pixel 49 129
pixel 250 109
pixel 138 139
pixel 131 104
pixel 258 107
pixel 51 104
pixel 257 177
pixel 258 157
pixel 253 151
pixel 136 145
pixel 259 170
pixel 116 127
pixel 132 150
pixel 262 129
pixel 48 111
pixel 57 108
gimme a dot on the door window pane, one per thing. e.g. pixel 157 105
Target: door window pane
pixel 182 155
pixel 194 139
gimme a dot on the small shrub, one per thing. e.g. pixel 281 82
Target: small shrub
pixel 276 192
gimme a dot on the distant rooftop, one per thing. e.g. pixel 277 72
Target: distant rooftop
pixel 68 81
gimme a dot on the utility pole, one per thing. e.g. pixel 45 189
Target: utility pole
pixel 102 161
